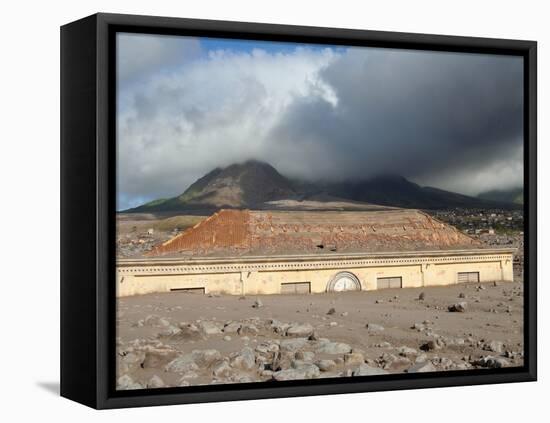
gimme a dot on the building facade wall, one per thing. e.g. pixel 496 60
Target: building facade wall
pixel 257 276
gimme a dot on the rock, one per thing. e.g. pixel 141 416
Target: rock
pixel 126 382
pixel 333 348
pixel 248 329
pixel 189 375
pixel 131 360
pixel 314 336
pixel 379 302
pixel 419 327
pixel 244 360
pixel 333 324
pixel 157 358
pixel 432 344
pixel 458 307
pixel 462 295
pixel 354 358
pixel 422 367
pixel 406 351
pixel 232 327
pixel 422 296
pixel 304 355
pixel 344 314
pixel 156 382
pixel 421 358
pixel 299 330
pixel 205 358
pixel 153 320
pixel 293 344
pixel 210 328
pixel 267 347
pixel 331 311
pixel 325 365
pixel 279 327
pixel 183 382
pixel 390 361
pixel 366 370
pixel 383 345
pixel 183 363
pixel 257 304
pixel 373 327
pixel 289 374
pixel 188 332
pixel 492 362
pixel 310 370
pixel 494 346
pixel 170 332
pixel 222 369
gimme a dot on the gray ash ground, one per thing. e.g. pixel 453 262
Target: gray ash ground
pixel 181 339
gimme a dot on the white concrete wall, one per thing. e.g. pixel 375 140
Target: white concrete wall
pixel 267 279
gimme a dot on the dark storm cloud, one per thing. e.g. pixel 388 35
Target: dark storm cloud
pixel 423 115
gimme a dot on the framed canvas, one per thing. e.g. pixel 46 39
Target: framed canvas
pixel 257 211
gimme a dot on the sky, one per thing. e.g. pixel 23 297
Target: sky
pixel 188 105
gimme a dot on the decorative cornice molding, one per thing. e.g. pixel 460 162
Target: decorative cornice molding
pixel 258 266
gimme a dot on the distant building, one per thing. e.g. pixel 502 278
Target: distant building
pixel 246 252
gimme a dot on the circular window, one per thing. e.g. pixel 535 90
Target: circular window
pixel 344 281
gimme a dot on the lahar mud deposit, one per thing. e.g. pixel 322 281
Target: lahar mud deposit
pixel 307 293
pixel 183 339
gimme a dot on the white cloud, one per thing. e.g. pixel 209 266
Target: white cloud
pixel 211 112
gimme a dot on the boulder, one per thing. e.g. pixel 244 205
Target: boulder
pixel 354 358
pixel 494 346
pixel 126 382
pixel 157 358
pixel 373 327
pixel 406 351
pixel 289 374
pixel 189 332
pixel 366 370
pixel 156 382
pixel 222 369
pixel 422 367
pixel 458 307
pixel 181 364
pixel 210 328
pixel 310 370
pixel 205 358
pixel 432 344
pixel 248 329
pixel 299 330
pixel 304 355
pixel 333 348
pixel 232 327
pixel 293 344
pixel 244 360
pixel 325 365
pixel 492 362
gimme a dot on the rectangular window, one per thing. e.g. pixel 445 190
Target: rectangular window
pixel 466 277
pixel 189 290
pixel 296 288
pixel 393 282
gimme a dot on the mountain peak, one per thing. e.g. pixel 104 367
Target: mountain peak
pixel 254 183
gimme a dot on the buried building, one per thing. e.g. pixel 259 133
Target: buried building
pixel 244 252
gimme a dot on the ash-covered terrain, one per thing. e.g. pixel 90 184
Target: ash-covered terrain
pixel 182 339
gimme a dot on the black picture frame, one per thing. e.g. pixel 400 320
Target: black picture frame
pixel 88 210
